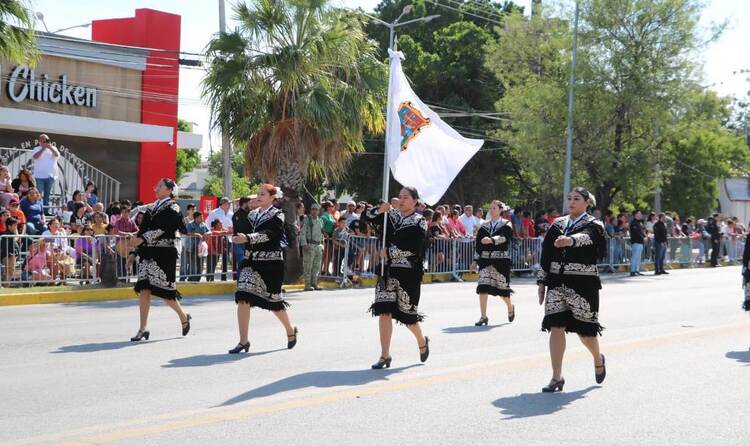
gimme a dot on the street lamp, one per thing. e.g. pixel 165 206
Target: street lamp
pixel 40 16
pixel 84 25
pixel 391 44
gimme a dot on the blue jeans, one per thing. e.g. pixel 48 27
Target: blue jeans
pixel 661 252
pixel 636 252
pixel 45 188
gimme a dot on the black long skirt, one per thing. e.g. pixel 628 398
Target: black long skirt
pixel 746 285
pixel 259 284
pixel 156 272
pixel 398 295
pixel 494 277
pixel 573 302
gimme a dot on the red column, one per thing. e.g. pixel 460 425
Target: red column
pixel 159 31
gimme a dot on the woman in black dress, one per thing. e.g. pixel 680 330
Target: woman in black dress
pixel 492 257
pixel 746 275
pixel 155 245
pixel 570 278
pixel 262 269
pixel 397 292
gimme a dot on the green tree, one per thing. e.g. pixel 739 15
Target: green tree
pixel 700 152
pixel 17 40
pixel 445 62
pixel 187 159
pixel 241 185
pixel 296 85
pixel 636 66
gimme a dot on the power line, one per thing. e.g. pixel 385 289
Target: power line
pixel 464 12
pixel 476 6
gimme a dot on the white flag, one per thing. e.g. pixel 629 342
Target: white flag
pixel 423 151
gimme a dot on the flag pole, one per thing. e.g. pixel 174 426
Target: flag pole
pixel 386 168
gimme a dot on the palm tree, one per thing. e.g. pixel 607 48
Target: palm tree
pixel 17 41
pixel 297 84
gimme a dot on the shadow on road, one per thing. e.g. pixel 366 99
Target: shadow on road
pixel 209 360
pixel 125 303
pixel 322 379
pixel 102 346
pixel 528 405
pixel 471 328
pixel 741 356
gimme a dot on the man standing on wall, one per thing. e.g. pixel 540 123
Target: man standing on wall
pixel 45 157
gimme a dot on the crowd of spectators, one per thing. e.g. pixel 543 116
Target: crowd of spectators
pixel 76 240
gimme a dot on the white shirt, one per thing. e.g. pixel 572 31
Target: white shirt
pixel 46 165
pixel 218 214
pixel 470 222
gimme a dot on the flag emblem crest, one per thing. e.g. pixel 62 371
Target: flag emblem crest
pixel 412 123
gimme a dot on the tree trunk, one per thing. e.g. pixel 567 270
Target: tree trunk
pixel 291 181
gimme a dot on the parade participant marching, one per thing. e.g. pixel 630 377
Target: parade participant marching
pixel 493 260
pixel 746 276
pixel 570 278
pixel 155 244
pixel 398 290
pixel 262 270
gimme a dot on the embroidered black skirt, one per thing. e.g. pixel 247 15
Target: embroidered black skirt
pixel 398 295
pixel 494 277
pixel 259 284
pixel 156 272
pixel 573 302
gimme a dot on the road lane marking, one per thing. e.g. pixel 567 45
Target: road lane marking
pixel 309 397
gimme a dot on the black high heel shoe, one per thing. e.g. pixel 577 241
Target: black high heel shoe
pixel 512 313
pixel 292 342
pixel 186 325
pixel 382 363
pixel 554 386
pixel 482 321
pixel 600 376
pixel 239 348
pixel 140 335
pixel 426 347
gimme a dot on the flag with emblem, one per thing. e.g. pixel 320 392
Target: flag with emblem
pixel 423 151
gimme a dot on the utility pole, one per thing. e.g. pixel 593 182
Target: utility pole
pixel 571 88
pixel 657 189
pixel 226 144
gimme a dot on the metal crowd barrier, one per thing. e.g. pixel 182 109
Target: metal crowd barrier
pixel 27 260
pixel 59 259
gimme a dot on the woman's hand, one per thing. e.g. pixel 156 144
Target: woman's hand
pixel 473 267
pixel 383 253
pixel 541 292
pixel 385 207
pixel 486 241
pixel 134 241
pixel 239 238
pixel 563 242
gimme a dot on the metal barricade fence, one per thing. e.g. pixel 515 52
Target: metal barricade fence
pixel 71 259
pixel 54 259
pixel 209 257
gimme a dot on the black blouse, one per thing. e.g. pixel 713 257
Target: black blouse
pixel 265 232
pixel 406 238
pixel 160 222
pixel 579 260
pixel 501 233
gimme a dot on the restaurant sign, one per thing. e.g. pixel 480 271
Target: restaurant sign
pixel 25 85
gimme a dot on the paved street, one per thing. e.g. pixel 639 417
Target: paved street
pixel 676 346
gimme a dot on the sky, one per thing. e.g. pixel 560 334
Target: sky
pixel 200 20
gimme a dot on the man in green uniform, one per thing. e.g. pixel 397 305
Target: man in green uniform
pixel 311 240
